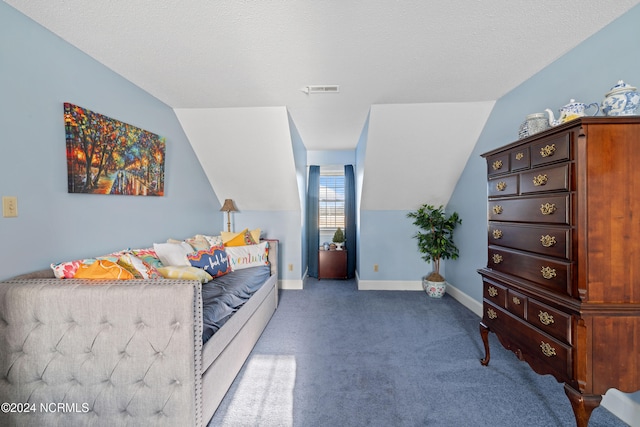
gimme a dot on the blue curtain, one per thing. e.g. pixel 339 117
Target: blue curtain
pixel 313 211
pixel 350 219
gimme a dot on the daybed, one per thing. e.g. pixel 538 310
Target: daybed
pixel 114 352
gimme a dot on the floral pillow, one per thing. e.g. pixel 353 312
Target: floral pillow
pixel 67 269
pixel 138 267
pixel 198 242
pixel 149 256
pixel 214 240
pixel 214 261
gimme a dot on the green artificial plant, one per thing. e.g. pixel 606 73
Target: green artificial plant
pixel 435 241
pixel 338 236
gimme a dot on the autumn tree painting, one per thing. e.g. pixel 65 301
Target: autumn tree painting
pixel 106 156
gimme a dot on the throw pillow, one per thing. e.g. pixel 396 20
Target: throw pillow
pixel 214 261
pixel 138 267
pixel 185 273
pixel 103 269
pixel 198 242
pixel 227 236
pixel 173 253
pixel 241 239
pixel 214 240
pixel 248 256
pixel 149 256
pixel 67 269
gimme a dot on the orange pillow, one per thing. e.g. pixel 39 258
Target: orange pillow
pixel 102 269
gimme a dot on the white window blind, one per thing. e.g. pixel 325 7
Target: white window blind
pixel 331 214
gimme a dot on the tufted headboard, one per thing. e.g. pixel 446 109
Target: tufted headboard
pixel 99 353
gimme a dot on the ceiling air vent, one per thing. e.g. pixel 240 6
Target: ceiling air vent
pixel 321 89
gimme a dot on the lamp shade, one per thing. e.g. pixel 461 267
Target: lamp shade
pixel 228 206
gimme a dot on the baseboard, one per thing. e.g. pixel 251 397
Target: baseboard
pixel 290 284
pixel 464 299
pixel 388 285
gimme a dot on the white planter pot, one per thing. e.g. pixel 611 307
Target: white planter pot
pixel 434 289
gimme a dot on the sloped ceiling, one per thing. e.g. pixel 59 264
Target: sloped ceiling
pixel 201 54
pixel 410 161
pixel 252 164
pixel 230 53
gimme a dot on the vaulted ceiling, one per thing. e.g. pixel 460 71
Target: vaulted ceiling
pixel 438 58
pixel 230 53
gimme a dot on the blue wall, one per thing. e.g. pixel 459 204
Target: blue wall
pixel 586 73
pixel 38 73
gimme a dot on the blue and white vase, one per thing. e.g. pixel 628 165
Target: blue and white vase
pixel 621 100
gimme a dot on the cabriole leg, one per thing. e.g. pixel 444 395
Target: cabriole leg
pixel 484 333
pixel 582 404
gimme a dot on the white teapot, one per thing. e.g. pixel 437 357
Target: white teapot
pixel 571 111
pixel 621 100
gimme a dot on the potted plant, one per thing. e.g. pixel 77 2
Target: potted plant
pixel 338 238
pixel 435 243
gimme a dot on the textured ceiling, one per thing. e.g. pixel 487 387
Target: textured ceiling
pixel 233 53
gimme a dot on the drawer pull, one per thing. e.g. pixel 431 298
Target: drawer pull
pixel 491 314
pixel 547 350
pixel 497 165
pixel 501 186
pixel 493 292
pixel 540 180
pixel 545 318
pixel 497 258
pixel 497 234
pixel 548 241
pixel 548 150
pixel 516 300
pixel 497 209
pixel 519 156
pixel 548 272
pixel 548 208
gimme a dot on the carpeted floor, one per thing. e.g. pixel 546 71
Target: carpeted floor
pixel 335 356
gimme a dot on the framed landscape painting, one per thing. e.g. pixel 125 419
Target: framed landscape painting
pixel 107 156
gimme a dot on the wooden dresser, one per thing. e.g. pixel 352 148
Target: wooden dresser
pixel 562 284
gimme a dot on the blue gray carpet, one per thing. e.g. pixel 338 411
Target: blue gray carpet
pixel 335 356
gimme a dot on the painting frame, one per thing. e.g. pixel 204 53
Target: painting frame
pixel 108 156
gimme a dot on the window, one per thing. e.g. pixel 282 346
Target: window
pixel 331 214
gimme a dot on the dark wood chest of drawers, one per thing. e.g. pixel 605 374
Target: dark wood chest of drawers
pixel 561 288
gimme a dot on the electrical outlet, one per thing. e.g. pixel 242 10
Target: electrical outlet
pixel 9 206
pixel 290 267
pixel 375 268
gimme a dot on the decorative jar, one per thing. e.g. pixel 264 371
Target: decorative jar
pixel 621 100
pixel 537 122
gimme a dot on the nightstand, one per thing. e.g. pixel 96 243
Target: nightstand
pixel 332 264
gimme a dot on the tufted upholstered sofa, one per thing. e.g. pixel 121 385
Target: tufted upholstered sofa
pixel 119 353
